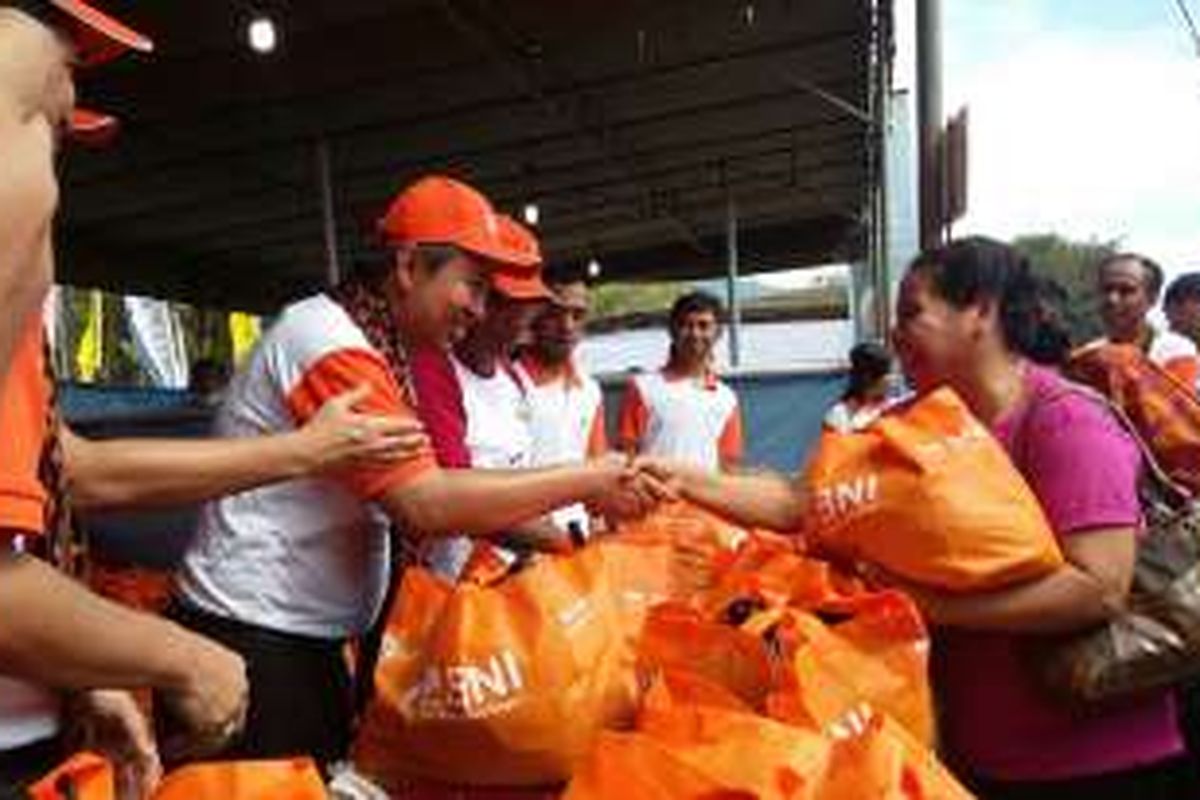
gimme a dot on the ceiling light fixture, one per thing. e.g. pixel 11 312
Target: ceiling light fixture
pixel 262 35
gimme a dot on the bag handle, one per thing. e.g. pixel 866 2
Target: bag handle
pixel 401 553
pixel 1177 494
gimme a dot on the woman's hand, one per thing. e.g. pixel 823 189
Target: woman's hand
pixel 338 436
pixel 633 490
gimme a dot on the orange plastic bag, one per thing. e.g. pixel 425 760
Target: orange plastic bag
pixel 684 751
pixel 278 779
pixel 691 547
pixel 877 654
pixel 87 776
pixel 678 554
pixel 743 752
pixel 500 685
pixel 633 766
pixel 429 790
pixel 83 776
pixel 144 589
pixel 1164 409
pixel 677 639
pixel 878 759
pixel 783 579
pixel 928 494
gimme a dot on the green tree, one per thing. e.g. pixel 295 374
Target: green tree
pixel 1073 265
pixel 617 299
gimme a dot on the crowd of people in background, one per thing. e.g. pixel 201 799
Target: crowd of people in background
pixel 431 409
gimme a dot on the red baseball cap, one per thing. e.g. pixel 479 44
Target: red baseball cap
pixel 96 38
pixel 520 282
pixel 442 210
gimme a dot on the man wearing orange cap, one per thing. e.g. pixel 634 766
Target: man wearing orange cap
pixel 286 574
pixel 48 624
pixel 475 407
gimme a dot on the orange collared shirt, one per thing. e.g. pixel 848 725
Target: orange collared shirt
pixel 24 407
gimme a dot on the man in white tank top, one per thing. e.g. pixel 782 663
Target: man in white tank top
pixel 475 406
pixel 566 405
pixel 684 412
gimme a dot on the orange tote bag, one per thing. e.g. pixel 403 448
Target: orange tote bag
pixel 499 685
pixel 927 493
pixel 877 653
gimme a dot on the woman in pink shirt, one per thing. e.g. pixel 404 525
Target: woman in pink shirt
pixel 968 317
pixel 971 316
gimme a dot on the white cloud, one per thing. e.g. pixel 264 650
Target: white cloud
pixel 1088 136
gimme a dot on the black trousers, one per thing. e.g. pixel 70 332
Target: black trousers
pixel 1173 779
pixel 21 767
pixel 300 688
pixel 1188 698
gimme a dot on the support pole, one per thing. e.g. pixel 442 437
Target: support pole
pixel 333 268
pixel 929 105
pixel 880 139
pixel 731 282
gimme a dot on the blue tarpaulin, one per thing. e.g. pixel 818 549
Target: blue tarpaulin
pixel 782 414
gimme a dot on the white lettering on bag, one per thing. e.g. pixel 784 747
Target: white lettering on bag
pixel 843 497
pixel 467 690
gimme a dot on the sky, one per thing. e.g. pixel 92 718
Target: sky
pixel 1084 119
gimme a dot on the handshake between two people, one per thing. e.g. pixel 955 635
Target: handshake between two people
pixel 638 486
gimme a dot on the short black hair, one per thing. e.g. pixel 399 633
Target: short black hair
pixel 870 362
pixel 695 302
pixel 1185 287
pixel 1152 274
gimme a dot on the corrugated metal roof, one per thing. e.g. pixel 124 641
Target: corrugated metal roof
pixel 627 121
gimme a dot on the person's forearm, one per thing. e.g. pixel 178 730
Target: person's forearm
pixel 55 632
pixel 27 202
pixel 475 501
pixel 1064 601
pixel 139 473
pixel 759 499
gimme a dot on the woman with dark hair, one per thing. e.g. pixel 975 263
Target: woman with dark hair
pixel 972 316
pixel 1051 343
pixel 866 390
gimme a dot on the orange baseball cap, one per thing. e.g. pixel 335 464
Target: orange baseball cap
pixel 92 127
pixel 520 282
pixel 96 38
pixel 442 210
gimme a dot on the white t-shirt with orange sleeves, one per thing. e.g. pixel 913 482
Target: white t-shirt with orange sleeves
pixel 566 424
pixel 305 556
pixel 694 420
